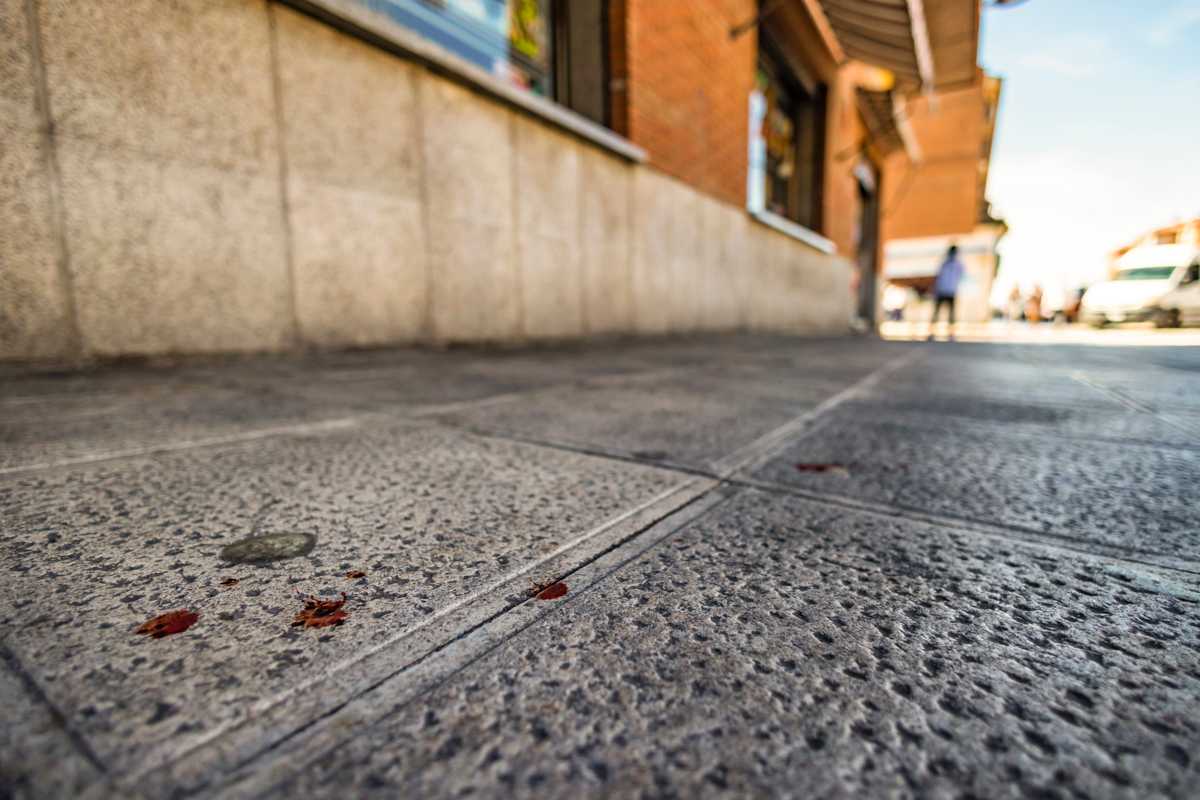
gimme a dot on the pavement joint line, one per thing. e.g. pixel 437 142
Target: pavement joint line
pixel 603 565
pixel 990 530
pixel 767 445
pixel 439 409
pixel 777 439
pixel 987 529
pixel 692 490
pixel 955 393
pixel 1043 432
pixel 760 447
pixel 38 399
pixel 362 414
pixel 300 429
pixel 585 450
pixel 724 489
pixel 582 382
pixel 1132 404
pixel 13 664
pixel 763 448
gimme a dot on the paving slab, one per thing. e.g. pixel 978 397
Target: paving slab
pixel 691 418
pixel 448 529
pixel 37 756
pixel 1158 390
pixel 156 413
pixel 1136 497
pixel 1165 380
pixel 52 416
pixel 1022 417
pixel 778 647
pixel 956 640
pixel 991 380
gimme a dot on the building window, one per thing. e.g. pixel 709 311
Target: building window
pixel 553 48
pixel 512 39
pixel 1166 237
pixel 791 141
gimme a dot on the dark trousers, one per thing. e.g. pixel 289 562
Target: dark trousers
pixel 937 306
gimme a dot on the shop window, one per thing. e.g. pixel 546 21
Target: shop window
pixel 791 141
pixel 552 48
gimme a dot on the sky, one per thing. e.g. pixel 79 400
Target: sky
pixel 1098 136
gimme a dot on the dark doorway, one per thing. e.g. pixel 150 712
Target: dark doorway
pixel 868 241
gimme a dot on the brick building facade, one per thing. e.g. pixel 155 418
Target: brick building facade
pixel 232 175
pixel 939 199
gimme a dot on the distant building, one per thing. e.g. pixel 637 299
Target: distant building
pixel 914 262
pixel 225 175
pixel 939 199
pixel 1186 232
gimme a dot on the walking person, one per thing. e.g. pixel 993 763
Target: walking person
pixel 945 288
pixel 1013 311
pixel 1033 306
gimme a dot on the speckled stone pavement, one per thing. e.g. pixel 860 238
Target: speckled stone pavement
pixel 793 568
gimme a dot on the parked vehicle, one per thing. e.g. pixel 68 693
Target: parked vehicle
pixel 1181 305
pixel 1145 275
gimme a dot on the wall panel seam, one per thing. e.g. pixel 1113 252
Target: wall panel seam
pixel 285 206
pixel 58 211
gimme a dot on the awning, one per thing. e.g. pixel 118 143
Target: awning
pixel 926 44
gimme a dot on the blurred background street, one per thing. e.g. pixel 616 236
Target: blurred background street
pixel 1131 335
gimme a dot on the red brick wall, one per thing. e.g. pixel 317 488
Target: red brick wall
pixel 688 86
pixel 844 134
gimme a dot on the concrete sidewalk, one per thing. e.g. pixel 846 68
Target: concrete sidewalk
pixel 792 568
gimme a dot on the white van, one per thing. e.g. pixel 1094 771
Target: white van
pixel 1146 277
pixel 1181 305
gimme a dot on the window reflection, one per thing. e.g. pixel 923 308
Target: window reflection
pixel 509 38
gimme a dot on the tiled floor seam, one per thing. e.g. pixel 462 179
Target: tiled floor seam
pixel 10 662
pixel 300 429
pixel 987 529
pixel 1119 397
pixel 756 451
pixel 922 417
pixel 725 489
pixel 773 441
pixel 585 450
pixel 597 381
pixel 620 554
pixel 684 514
pixel 761 447
pixel 358 416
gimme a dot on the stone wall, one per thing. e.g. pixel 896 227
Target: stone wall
pixel 228 175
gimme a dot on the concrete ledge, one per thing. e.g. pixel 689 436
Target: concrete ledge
pixel 358 20
pixel 796 231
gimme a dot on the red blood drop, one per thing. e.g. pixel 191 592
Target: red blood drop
pixel 553 591
pixel 169 623
pixel 819 467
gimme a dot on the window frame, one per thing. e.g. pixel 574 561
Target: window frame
pixel 358 19
pixel 809 97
